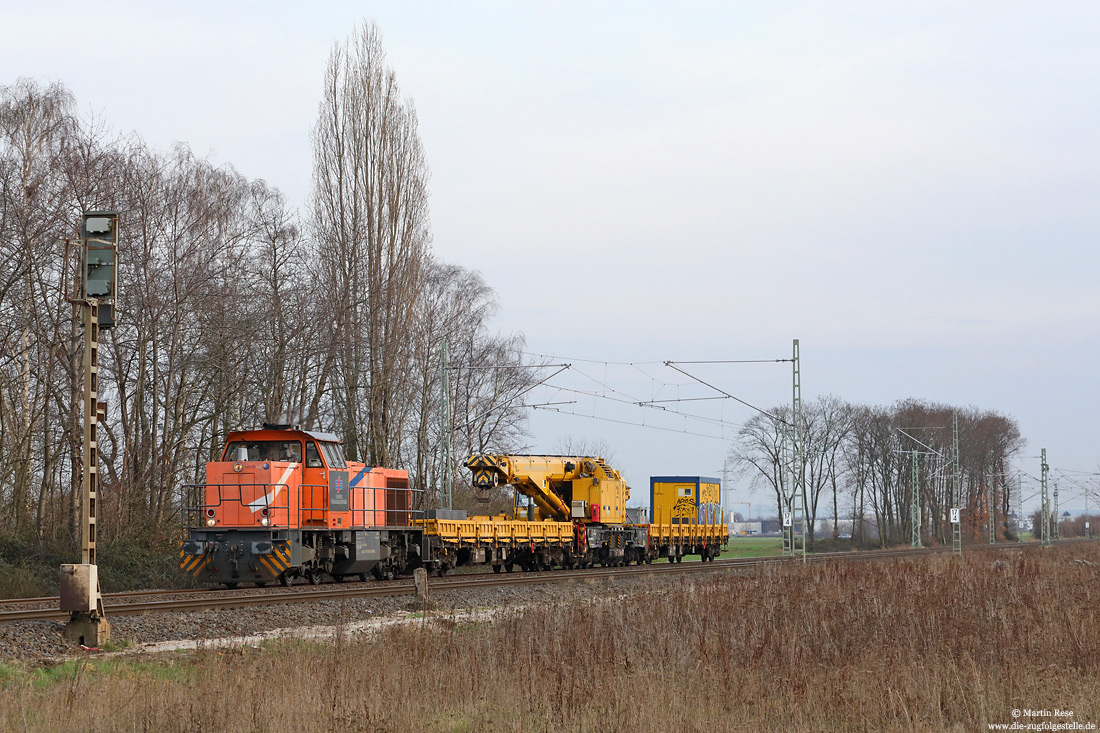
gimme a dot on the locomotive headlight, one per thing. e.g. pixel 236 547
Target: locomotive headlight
pixel 264 521
pixel 210 522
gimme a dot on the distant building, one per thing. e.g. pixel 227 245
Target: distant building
pixel 746 529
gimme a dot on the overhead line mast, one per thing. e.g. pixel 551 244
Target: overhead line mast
pixel 1057 517
pixel 914 504
pixel 1044 503
pixel 794 519
pixel 956 488
pixel 992 508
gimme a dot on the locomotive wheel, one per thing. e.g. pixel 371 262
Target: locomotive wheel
pixel 285 579
pixel 314 577
pixel 363 577
pixel 231 585
pixel 338 578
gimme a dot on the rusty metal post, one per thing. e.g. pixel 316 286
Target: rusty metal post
pixel 94 285
pixel 91 415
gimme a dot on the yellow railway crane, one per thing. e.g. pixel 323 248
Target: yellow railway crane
pixel 582 490
pixel 564 488
pixel 578 519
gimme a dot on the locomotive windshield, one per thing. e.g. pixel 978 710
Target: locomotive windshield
pixel 264 450
pixel 333 455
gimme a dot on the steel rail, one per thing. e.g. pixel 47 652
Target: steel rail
pixel 213 600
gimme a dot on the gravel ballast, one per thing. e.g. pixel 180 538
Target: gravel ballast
pixel 31 640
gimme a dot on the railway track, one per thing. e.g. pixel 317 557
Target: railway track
pixel 175 600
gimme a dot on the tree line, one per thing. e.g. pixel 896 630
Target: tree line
pixel 857 463
pixel 233 309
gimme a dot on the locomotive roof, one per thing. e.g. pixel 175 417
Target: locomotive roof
pixel 323 437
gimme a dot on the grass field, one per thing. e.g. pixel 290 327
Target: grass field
pixel 937 643
pixel 753 546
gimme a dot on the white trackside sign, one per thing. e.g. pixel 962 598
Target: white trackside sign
pixel 788 519
pixel 954 515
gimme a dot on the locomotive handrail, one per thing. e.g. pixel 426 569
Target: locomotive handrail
pixel 312 507
pixel 407 514
pixel 200 509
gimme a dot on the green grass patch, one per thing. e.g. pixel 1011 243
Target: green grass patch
pixel 71 671
pixel 753 547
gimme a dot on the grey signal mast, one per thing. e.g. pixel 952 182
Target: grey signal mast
pixel 92 260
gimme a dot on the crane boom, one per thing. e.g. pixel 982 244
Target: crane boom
pixel 565 488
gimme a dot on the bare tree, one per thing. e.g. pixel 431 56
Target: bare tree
pixel 36 125
pixel 231 313
pixel 370 219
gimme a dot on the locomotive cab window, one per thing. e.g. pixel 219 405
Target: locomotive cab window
pixel 313 458
pixel 264 450
pixel 333 456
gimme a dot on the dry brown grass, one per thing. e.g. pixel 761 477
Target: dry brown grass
pixel 934 644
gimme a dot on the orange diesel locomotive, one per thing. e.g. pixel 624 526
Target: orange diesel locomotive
pixel 282 503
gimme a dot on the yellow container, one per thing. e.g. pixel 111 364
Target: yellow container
pixel 685 500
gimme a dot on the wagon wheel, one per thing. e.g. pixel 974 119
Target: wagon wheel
pixel 285 579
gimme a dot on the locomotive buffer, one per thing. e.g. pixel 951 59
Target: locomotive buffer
pixel 93 259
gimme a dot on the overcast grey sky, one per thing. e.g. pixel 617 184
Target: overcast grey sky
pixel 910 189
